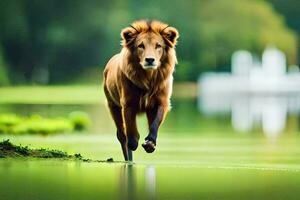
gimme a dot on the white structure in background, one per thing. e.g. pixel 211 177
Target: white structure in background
pixel 241 63
pixel 257 94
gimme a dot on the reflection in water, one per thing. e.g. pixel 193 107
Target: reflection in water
pixel 128 183
pixel 241 116
pixel 251 111
pixel 274 116
pixel 150 181
pixel 269 112
pixel 256 93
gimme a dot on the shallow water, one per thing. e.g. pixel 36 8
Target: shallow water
pixel 183 167
pixel 72 180
pixel 200 155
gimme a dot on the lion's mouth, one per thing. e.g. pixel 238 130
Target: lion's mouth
pixel 149 67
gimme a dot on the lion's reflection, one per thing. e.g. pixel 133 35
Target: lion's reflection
pixel 128 181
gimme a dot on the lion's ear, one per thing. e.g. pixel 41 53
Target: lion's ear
pixel 128 35
pixel 171 35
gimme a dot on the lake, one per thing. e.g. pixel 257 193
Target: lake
pixel 200 155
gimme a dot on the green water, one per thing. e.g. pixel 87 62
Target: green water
pixel 63 180
pixel 183 167
pixel 197 157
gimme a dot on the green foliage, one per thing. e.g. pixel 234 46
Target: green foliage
pixel 247 24
pixel 80 120
pixel 57 41
pixel 290 10
pixel 35 124
pixel 3 73
pixel 8 121
pixel 39 125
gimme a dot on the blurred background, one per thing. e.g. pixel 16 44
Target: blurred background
pixel 236 100
pixel 69 42
pixel 245 52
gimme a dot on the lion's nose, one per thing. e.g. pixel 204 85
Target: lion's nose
pixel 149 61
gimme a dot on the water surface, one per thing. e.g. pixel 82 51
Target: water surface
pixel 200 155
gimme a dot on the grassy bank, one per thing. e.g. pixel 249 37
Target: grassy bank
pixel 9 150
pixel 52 94
pixel 90 94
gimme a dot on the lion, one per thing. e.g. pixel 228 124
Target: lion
pixel 139 79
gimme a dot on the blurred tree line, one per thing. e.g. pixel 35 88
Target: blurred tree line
pixel 290 9
pixel 59 41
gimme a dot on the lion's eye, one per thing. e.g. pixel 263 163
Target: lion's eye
pixel 141 46
pixel 158 46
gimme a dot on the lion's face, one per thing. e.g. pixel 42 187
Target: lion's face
pixel 149 49
pixel 148 41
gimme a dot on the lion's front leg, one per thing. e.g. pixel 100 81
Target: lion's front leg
pixel 155 117
pixel 129 117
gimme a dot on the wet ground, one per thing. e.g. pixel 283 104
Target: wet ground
pixel 205 153
pixel 183 167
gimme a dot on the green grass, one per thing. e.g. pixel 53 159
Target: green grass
pixel 52 95
pixel 9 150
pixel 72 94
